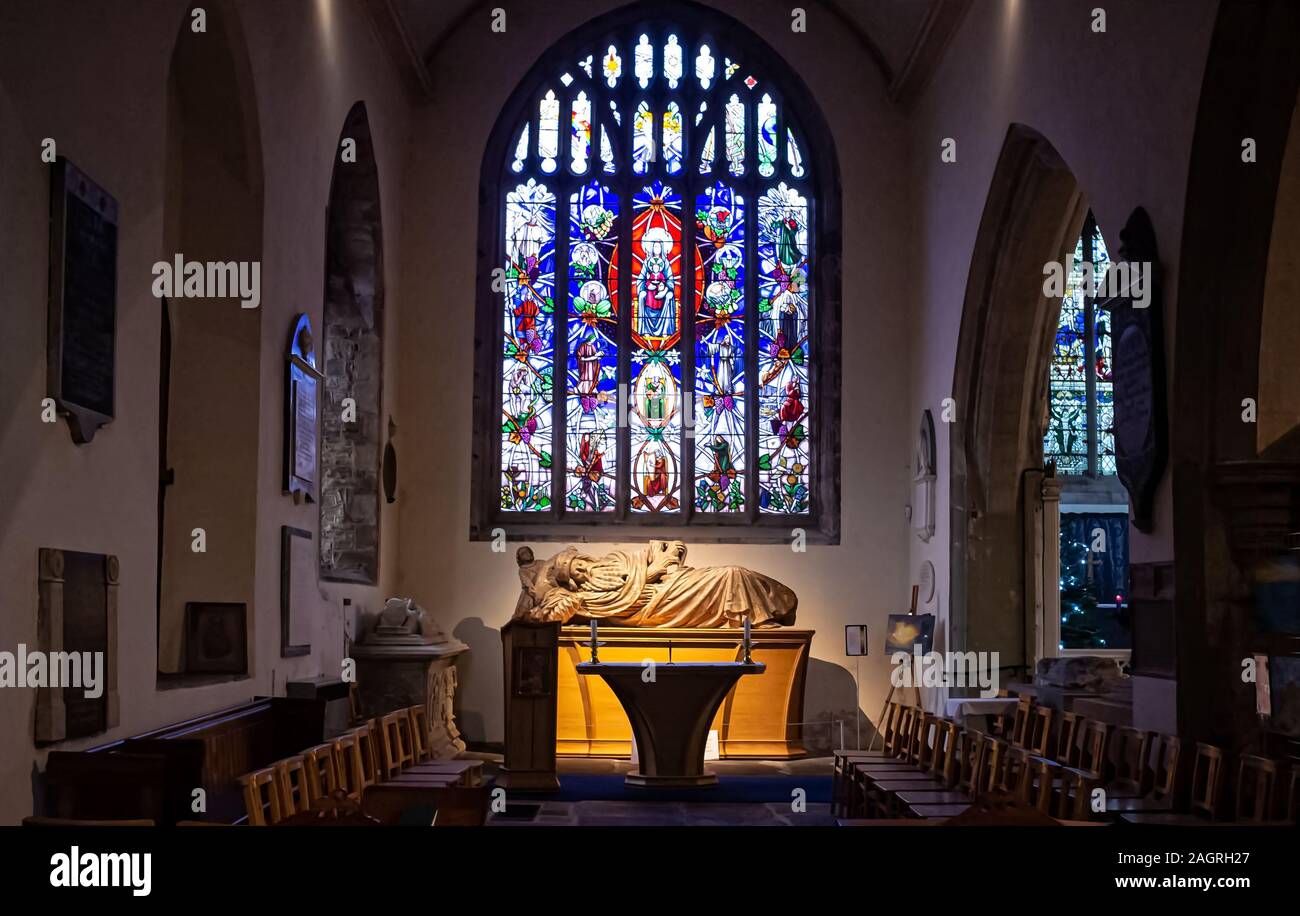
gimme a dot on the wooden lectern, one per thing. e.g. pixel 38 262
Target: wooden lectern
pixel 530 694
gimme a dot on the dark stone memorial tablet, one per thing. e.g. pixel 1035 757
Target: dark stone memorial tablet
pixel 1141 421
pixel 82 326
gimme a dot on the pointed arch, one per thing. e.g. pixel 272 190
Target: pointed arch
pixel 208 436
pixel 704 119
pixel 1032 216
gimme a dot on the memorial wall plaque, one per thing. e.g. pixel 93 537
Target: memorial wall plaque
pixel 298 592
pixel 302 400
pixel 81 333
pixel 77 624
pixel 1141 422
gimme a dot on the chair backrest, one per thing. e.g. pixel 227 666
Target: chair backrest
pixel 1292 812
pixel 421 739
pixel 972 748
pixel 394 734
pixel 262 797
pixel 291 772
pixel 1067 734
pixel 889 727
pixel 993 763
pixel 1092 753
pixel 1131 747
pixel 1005 772
pixel 915 734
pixel 1164 766
pixel 1038 779
pixel 1040 730
pixel 347 761
pixel 367 756
pixel 944 761
pixel 927 740
pixel 322 772
pixel 896 742
pixel 1207 779
pixel 1020 723
pixel 1256 788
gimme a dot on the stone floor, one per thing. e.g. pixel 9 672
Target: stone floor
pixel 679 814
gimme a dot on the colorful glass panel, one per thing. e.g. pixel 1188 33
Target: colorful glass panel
pixel 548 132
pixel 672 144
pixel 734 116
pixel 720 381
pixel 672 61
pixel 654 414
pixel 591 407
pixel 643 139
pixel 784 427
pixel 528 349
pixel 766 136
pixel 580 125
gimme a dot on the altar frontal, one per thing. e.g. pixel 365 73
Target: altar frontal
pixel 651 606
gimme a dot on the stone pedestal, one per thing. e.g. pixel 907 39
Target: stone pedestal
pixel 390 677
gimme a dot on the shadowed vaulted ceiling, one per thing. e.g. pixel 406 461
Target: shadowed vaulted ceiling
pixel 905 39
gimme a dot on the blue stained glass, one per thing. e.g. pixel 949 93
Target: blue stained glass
pixel 591 409
pixel 784 421
pixel 528 349
pixel 720 380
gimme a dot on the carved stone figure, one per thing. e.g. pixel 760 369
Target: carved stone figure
pixel 648 588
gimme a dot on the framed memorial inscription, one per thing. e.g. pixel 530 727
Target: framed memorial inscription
pixel 301 430
pixel 81 331
pixel 298 594
pixel 1141 423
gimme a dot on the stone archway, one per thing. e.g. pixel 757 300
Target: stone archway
pixel 353 327
pixel 1233 505
pixel 1033 215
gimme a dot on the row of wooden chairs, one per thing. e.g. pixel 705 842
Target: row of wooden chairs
pixel 391 749
pixel 932 767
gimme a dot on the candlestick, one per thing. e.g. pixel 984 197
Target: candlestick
pixel 595 643
pixel 748 643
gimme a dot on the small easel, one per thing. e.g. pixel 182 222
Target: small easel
pixel 916 689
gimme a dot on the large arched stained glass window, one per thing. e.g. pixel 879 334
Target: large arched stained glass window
pixel 657 359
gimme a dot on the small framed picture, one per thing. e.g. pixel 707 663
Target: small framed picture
pixel 855 639
pixel 908 632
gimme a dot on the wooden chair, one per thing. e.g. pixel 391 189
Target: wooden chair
pixel 1256 789
pixel 1131 747
pixel 397 752
pixel 1207 779
pixel 1093 747
pixel 1040 730
pixel 262 799
pixel 322 772
pixel 1019 730
pixel 1067 734
pixel 1161 778
pixel 1291 813
pixel 974 750
pixel 291 773
pixel 421 737
pixel 349 766
pixel 939 775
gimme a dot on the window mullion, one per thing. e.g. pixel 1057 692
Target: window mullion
pixel 560 352
pixel 751 261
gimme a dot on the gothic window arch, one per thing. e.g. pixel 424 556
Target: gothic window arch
pixel 658 308
pixel 1080 442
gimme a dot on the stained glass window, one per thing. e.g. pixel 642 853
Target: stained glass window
pixel 675 378
pixel 1081 424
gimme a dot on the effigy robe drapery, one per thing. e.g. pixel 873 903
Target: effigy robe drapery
pixel 648 588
